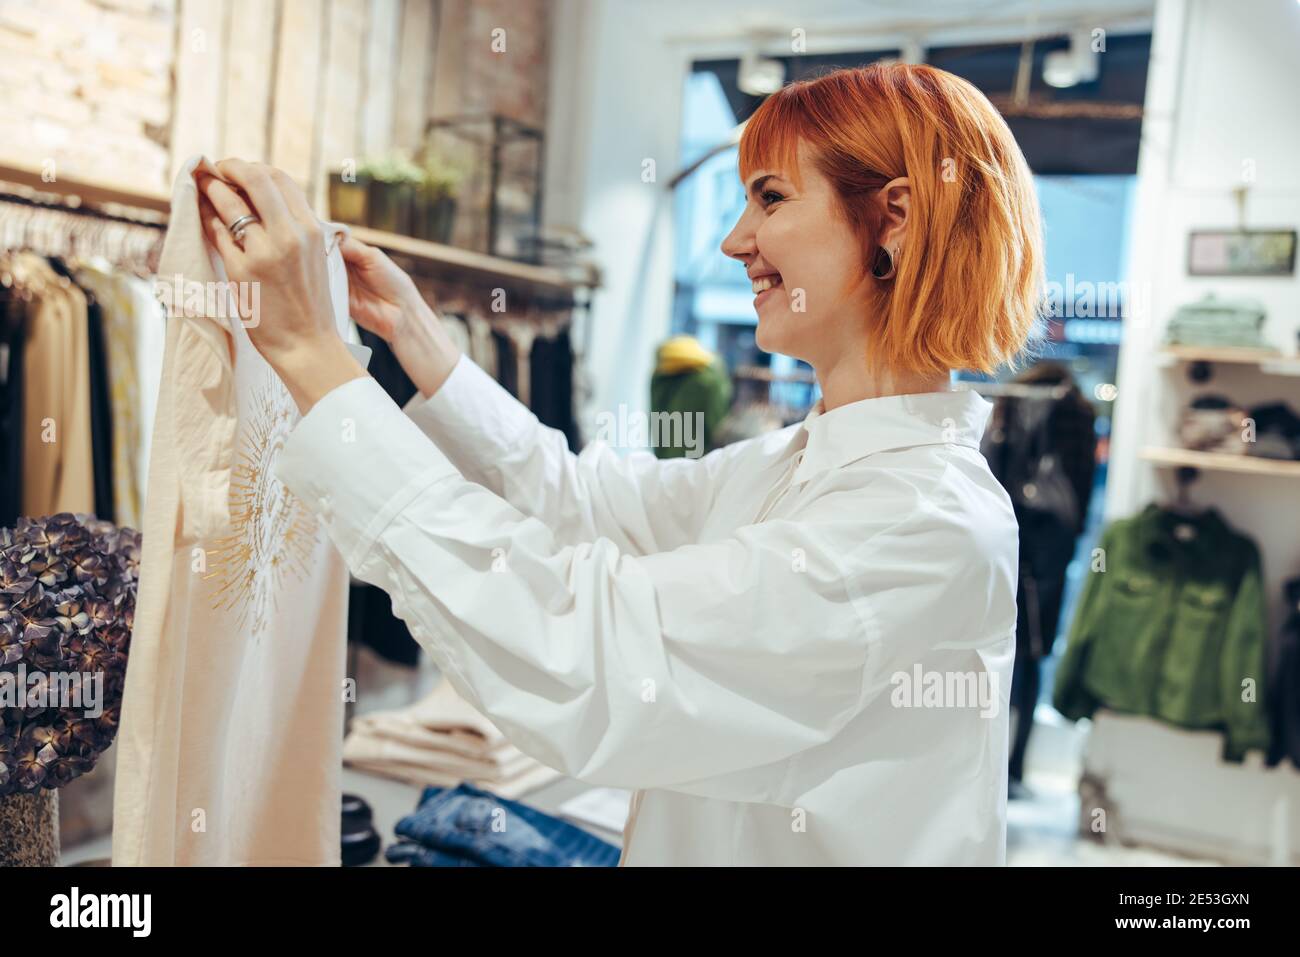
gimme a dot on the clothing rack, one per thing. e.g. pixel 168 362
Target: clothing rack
pixel 51 224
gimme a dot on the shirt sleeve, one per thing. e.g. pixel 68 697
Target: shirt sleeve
pixel 640 503
pixel 629 671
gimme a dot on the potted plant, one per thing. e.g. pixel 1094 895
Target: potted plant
pixel 348 195
pixel 393 180
pixel 435 200
pixel 67 605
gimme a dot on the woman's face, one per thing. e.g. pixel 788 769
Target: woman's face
pixel 807 266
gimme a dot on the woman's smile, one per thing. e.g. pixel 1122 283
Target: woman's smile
pixel 765 287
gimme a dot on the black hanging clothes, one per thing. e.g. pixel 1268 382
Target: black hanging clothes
pixel 101 413
pixel 506 373
pixel 1284 685
pixel 1043 452
pixel 12 339
pixel 371 621
pixel 551 373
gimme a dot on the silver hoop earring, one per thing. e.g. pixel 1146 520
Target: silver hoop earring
pixel 884 265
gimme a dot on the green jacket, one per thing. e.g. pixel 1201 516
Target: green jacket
pixel 1172 624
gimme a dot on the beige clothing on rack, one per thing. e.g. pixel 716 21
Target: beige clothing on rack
pixel 232 720
pixel 457 332
pixel 482 346
pixel 149 325
pixel 58 475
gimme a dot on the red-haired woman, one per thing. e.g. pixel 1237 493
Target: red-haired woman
pixel 797 649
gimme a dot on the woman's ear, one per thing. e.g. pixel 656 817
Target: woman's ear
pixel 895 199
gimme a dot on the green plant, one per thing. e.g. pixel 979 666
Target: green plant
pixel 440 177
pixel 395 167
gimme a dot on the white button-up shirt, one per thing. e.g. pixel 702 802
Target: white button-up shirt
pixel 796 649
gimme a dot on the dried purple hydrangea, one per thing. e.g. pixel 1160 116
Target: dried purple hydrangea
pixel 67 605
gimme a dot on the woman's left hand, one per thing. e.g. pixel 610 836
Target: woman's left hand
pixel 283 252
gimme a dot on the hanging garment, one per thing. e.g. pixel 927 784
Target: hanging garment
pixel 13 335
pixel 483 345
pixel 1173 626
pixel 441 740
pixel 737 636
pixel 149 324
pixel 371 621
pixel 58 459
pixel 456 331
pixel 101 422
pixel 1043 451
pixel 1284 684
pixel 101 412
pixel 551 374
pixel 232 718
pixel 117 315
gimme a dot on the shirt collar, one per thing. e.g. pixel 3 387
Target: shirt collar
pixel 1167 535
pixel 852 432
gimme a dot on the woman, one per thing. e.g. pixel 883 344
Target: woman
pixel 797 649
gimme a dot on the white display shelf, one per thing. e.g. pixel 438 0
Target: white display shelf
pixel 1221 462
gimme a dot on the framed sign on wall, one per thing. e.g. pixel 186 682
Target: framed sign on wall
pixel 1241 252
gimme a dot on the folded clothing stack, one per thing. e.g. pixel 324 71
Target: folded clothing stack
pixel 1277 432
pixel 440 741
pixel 1211 321
pixel 467 827
pixel 1213 423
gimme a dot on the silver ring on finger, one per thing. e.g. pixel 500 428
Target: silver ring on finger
pixel 239 226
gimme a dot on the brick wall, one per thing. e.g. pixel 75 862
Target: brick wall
pixel 512 82
pixel 123 90
pixel 88 87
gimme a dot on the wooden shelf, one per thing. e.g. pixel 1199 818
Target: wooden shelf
pixel 541 279
pixel 1268 360
pixel 1221 461
pixel 93 193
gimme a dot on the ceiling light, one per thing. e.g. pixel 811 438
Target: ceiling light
pixel 759 75
pixel 1069 67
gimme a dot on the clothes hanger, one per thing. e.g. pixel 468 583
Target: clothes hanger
pixel 1182 506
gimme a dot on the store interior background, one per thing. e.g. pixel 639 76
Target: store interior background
pixel 1209 86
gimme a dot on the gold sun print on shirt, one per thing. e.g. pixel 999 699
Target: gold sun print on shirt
pixel 273 534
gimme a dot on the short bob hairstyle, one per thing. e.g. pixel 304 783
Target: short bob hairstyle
pixel 969 277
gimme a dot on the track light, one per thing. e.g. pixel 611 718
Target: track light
pixel 1078 64
pixel 759 75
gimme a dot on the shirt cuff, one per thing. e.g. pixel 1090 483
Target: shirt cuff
pixel 356 461
pixel 472 417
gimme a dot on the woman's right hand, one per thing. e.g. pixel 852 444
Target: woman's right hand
pixel 385 301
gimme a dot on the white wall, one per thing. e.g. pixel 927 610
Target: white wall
pixel 1220 102
pixel 1220 98
pixel 624 111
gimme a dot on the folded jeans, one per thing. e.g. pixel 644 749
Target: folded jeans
pixel 498 832
pixel 417 855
